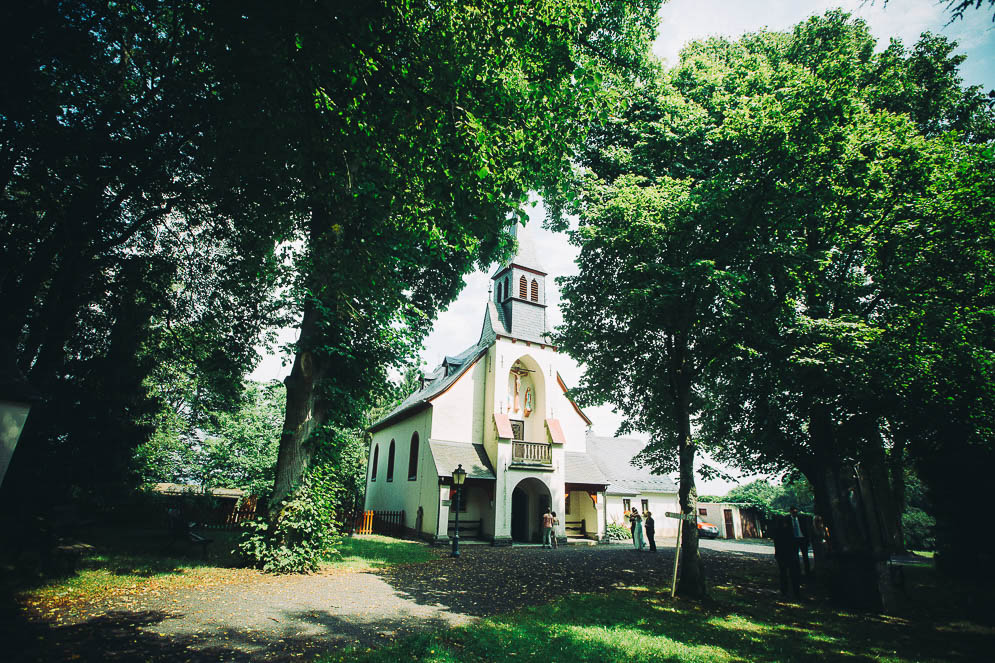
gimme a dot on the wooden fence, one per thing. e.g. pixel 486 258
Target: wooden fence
pixel 390 523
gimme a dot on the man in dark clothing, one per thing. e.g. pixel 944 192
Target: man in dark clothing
pixel 650 528
pixel 786 554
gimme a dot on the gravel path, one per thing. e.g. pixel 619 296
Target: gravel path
pixel 269 618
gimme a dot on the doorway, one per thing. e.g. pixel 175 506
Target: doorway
pixel 529 501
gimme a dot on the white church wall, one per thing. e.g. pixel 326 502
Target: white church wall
pixel 400 493
pixel 459 411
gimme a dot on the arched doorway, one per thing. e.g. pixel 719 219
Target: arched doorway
pixel 529 501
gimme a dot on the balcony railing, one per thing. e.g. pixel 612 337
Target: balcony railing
pixel 531 453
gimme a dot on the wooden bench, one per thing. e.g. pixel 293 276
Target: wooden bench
pixel 67 555
pixel 181 529
pixel 466 527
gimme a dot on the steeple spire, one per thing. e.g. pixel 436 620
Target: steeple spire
pixel 520 291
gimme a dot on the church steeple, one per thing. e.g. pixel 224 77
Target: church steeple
pixel 519 290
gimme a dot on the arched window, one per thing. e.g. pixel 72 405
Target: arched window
pixel 413 458
pixel 390 462
pixel 523 288
pixel 376 461
pixel 535 290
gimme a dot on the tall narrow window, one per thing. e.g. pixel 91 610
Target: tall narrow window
pixel 413 458
pixel 523 288
pixel 390 462
pixel 376 461
pixel 535 290
pixel 646 505
pixel 627 505
pixel 500 286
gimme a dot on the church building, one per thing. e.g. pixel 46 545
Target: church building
pixel 499 408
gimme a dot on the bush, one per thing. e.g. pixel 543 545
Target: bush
pixel 918 526
pixel 301 534
pixel 617 532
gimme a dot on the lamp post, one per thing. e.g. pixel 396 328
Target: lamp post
pixel 459 476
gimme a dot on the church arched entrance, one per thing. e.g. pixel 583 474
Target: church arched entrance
pixel 529 501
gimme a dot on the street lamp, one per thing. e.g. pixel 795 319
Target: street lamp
pixel 459 476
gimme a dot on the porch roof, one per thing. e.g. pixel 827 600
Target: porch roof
pixel 472 457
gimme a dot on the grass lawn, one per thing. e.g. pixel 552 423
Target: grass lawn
pixel 122 561
pixel 125 561
pixel 739 622
pixel 371 551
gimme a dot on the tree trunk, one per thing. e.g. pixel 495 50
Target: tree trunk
pixel 692 574
pixel 896 470
pixel 845 497
pixel 306 405
pixel 305 412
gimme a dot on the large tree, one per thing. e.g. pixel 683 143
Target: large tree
pixel 127 239
pixel 412 134
pixel 744 249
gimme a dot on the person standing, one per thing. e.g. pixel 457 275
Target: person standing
pixel 801 540
pixel 637 529
pixel 556 524
pixel 786 555
pixel 650 530
pixel 547 528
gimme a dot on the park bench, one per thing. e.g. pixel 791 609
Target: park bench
pixel 470 528
pixel 182 530
pixel 67 555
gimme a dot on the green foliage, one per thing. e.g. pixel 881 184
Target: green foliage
pixel 919 528
pixel 301 534
pixel 617 532
pixel 238 449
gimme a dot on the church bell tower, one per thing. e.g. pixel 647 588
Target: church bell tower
pixel 519 291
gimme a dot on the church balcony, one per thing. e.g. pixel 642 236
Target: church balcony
pixel 531 453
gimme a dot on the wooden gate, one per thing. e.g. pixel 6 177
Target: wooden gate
pixel 730 528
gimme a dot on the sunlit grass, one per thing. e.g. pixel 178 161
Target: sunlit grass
pixel 737 623
pixel 369 552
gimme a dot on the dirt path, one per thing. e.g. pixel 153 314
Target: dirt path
pixel 269 618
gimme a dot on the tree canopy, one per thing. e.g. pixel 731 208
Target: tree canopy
pixel 753 232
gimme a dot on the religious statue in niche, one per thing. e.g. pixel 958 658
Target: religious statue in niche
pixel 529 402
pixel 518 388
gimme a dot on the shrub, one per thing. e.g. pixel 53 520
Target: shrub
pixel 918 527
pixel 617 532
pixel 301 533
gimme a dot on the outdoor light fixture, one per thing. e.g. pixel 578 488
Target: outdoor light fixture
pixel 459 476
pixel 16 398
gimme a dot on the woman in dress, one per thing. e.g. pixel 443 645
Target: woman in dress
pixel 637 529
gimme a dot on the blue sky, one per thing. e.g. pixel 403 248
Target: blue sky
pixel 683 21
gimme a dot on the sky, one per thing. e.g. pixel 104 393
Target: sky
pixel 683 21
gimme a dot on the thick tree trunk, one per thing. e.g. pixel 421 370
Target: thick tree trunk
pixel 305 412
pixel 692 574
pixel 306 404
pixel 846 498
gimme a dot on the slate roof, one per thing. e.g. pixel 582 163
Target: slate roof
pixel 613 456
pixel 436 382
pixel 472 457
pixel 525 257
pixel 581 468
